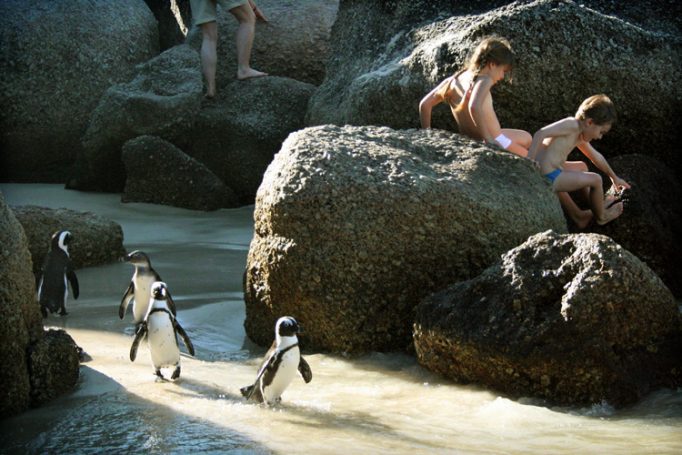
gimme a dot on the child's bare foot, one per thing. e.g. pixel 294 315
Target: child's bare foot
pixel 582 219
pixel 249 73
pixel 611 213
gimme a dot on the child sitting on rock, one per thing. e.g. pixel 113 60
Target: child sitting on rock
pixel 468 94
pixel 554 142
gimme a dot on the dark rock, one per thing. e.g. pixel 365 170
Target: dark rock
pixel 237 134
pixel 174 18
pixel 651 225
pixel 354 225
pixel 21 322
pixel 54 366
pixel 573 319
pixel 163 100
pixel 57 59
pixel 294 44
pixel 378 78
pixel 160 173
pixel 96 240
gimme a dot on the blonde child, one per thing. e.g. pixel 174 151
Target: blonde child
pixel 554 142
pixel 468 94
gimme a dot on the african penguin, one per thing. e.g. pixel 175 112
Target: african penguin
pixel 161 329
pixel 57 269
pixel 280 365
pixel 140 287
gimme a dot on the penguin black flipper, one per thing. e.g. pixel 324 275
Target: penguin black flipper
pixel 180 331
pixel 305 370
pixel 270 361
pixel 127 297
pixel 73 279
pixel 139 335
pixel 171 303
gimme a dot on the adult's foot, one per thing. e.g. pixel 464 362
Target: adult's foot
pixel 249 73
pixel 611 213
pixel 582 219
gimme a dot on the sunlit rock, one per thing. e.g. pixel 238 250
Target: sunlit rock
pixel 573 319
pixel 354 225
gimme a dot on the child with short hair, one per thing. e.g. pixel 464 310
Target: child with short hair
pixel 468 94
pixel 553 143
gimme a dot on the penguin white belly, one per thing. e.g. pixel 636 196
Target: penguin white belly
pixel 286 372
pixel 163 345
pixel 143 287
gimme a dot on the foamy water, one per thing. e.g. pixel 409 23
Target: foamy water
pixel 378 403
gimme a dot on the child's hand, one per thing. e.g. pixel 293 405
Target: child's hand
pixel 620 184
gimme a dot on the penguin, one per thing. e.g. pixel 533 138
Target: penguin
pixel 161 329
pixel 140 287
pixel 57 268
pixel 280 365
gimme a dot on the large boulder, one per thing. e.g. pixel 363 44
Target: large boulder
pixel 651 225
pixel 573 319
pixel 20 323
pixel 54 364
pixel 237 134
pixel 57 60
pixel 160 173
pixel 96 240
pixel 163 100
pixel 354 225
pixel 378 78
pixel 294 44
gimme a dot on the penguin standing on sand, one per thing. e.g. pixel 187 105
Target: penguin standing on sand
pixel 140 287
pixel 161 329
pixel 280 365
pixel 53 290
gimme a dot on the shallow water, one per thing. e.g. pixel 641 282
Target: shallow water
pixel 379 403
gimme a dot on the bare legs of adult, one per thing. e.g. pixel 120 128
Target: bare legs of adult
pixel 209 55
pixel 245 33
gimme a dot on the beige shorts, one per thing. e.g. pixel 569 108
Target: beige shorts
pixel 204 11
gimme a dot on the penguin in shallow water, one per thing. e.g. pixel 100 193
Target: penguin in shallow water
pixel 140 287
pixel 280 365
pixel 53 290
pixel 161 329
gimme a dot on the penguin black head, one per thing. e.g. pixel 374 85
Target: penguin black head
pixel 287 326
pixel 61 240
pixel 159 290
pixel 138 258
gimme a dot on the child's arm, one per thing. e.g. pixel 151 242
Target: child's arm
pixel 563 127
pixel 429 101
pixel 599 161
pixel 478 94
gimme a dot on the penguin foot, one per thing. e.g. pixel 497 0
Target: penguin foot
pixel 176 373
pixel 160 377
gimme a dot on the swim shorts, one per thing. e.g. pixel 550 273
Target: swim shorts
pixel 503 141
pixel 204 11
pixel 553 175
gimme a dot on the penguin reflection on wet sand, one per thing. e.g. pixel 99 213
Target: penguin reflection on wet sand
pixel 161 329
pixel 53 290
pixel 280 365
pixel 140 287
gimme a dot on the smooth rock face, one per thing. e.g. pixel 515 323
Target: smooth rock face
pixel 96 240
pixel 160 173
pixel 573 319
pixel 163 100
pixel 294 44
pixel 57 60
pixel 237 134
pixel 651 225
pixel 20 323
pixel 378 78
pixel 354 225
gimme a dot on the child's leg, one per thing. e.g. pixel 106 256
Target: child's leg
pixel 245 32
pixel 209 55
pixel 580 217
pixel 573 181
pixel 520 141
